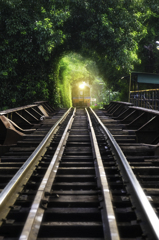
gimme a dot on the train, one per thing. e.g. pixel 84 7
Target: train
pixel 81 95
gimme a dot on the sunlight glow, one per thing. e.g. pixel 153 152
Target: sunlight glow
pixel 82 85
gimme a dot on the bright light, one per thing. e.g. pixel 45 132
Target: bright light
pixel 82 85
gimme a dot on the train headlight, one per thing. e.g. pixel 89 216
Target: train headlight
pixel 81 86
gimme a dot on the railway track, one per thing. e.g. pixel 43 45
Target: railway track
pixel 77 183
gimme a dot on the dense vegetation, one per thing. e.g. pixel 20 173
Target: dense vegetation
pixel 35 37
pixel 72 68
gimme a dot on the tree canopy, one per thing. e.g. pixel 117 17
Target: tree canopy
pixel 35 36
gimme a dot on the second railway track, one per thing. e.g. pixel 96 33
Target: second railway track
pixel 80 187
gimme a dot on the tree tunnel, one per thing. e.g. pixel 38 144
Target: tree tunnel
pixel 37 35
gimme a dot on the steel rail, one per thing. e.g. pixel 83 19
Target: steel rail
pixel 34 219
pixel 4 195
pixel 109 221
pixel 148 212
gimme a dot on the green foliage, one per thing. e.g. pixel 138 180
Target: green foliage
pixel 72 68
pixel 123 92
pixel 36 35
pixel 147 48
pixel 102 93
pixel 28 39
